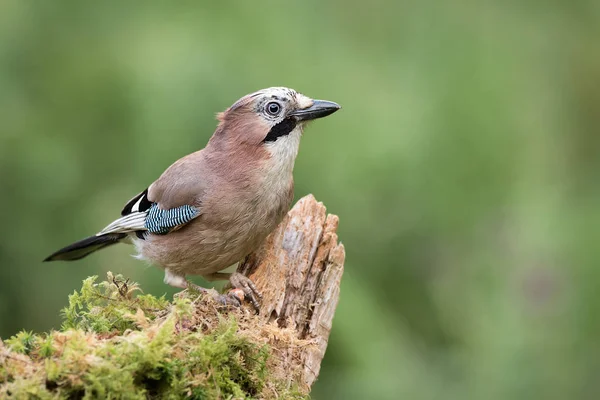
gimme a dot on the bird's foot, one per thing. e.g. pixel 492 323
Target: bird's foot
pixel 241 283
pixel 241 287
pixel 233 298
pixel 192 287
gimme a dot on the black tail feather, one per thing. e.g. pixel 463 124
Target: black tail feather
pixel 86 246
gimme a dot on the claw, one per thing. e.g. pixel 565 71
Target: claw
pixel 229 299
pixel 242 287
pixel 238 294
pixel 233 298
pixel 245 284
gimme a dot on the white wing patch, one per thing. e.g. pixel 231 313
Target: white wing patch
pixel 136 206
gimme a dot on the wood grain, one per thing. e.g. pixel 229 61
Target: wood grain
pixel 298 270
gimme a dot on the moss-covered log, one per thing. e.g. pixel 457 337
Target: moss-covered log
pixel 116 342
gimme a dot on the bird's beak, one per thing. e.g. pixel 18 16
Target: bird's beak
pixel 319 109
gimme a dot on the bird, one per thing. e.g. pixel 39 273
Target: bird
pixel 213 207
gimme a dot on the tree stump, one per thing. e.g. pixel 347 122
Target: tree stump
pixel 298 270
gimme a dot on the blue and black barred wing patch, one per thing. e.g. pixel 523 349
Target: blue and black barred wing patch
pixel 163 221
pixel 140 215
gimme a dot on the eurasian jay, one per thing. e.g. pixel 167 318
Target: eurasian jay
pixel 213 207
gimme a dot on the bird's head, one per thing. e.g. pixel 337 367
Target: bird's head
pixel 272 118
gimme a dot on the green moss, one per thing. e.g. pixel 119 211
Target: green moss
pixel 107 306
pixel 46 349
pixel 114 344
pixel 22 342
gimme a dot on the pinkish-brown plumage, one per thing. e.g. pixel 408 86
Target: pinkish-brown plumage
pixel 240 186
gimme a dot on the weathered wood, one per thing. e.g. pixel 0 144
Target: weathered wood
pixel 298 271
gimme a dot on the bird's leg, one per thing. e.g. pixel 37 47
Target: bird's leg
pixel 239 281
pixel 179 281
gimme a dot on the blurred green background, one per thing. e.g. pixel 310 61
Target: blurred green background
pixel 464 166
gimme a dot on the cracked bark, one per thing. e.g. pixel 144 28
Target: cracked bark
pixel 298 271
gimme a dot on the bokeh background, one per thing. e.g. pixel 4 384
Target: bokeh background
pixel 464 166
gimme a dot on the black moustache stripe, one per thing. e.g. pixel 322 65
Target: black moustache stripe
pixel 283 128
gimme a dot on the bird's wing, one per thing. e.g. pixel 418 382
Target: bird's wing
pixel 170 202
pixel 140 214
pixel 183 183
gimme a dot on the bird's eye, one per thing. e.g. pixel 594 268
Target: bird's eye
pixel 273 108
